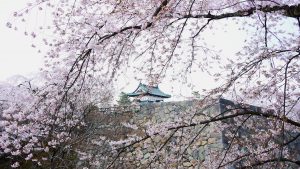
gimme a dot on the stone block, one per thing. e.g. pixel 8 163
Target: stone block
pixel 203 143
pixel 211 140
pixel 187 164
pixel 146 156
pixel 216 146
pixel 137 145
pixel 194 162
pixel 215 134
pixel 144 161
pixel 189 151
pixel 173 165
pixel 198 143
pixel 201 156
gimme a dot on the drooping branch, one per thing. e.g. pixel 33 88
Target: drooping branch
pixel 289 11
pixel 135 27
pixel 260 163
pixel 263 152
pixel 231 142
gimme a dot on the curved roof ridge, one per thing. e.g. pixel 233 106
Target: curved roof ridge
pixel 144 89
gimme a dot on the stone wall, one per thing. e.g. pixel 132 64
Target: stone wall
pixel 197 146
pixel 207 138
pixel 110 124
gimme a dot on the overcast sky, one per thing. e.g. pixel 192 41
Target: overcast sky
pixel 17 57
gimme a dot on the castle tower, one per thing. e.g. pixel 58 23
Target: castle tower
pixel 146 93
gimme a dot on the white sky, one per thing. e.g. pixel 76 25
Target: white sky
pixel 229 42
pixel 17 57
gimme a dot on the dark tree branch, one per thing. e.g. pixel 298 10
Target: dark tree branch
pixel 266 151
pixel 231 142
pixel 289 11
pixel 260 163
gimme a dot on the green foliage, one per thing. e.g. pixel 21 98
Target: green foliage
pixel 123 99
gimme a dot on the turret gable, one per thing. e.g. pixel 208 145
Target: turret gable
pixel 153 93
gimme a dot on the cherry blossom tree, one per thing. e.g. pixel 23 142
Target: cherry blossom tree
pixel 40 123
pixel 167 38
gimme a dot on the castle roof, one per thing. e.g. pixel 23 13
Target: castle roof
pixel 143 90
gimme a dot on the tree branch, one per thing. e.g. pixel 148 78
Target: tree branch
pixel 289 11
